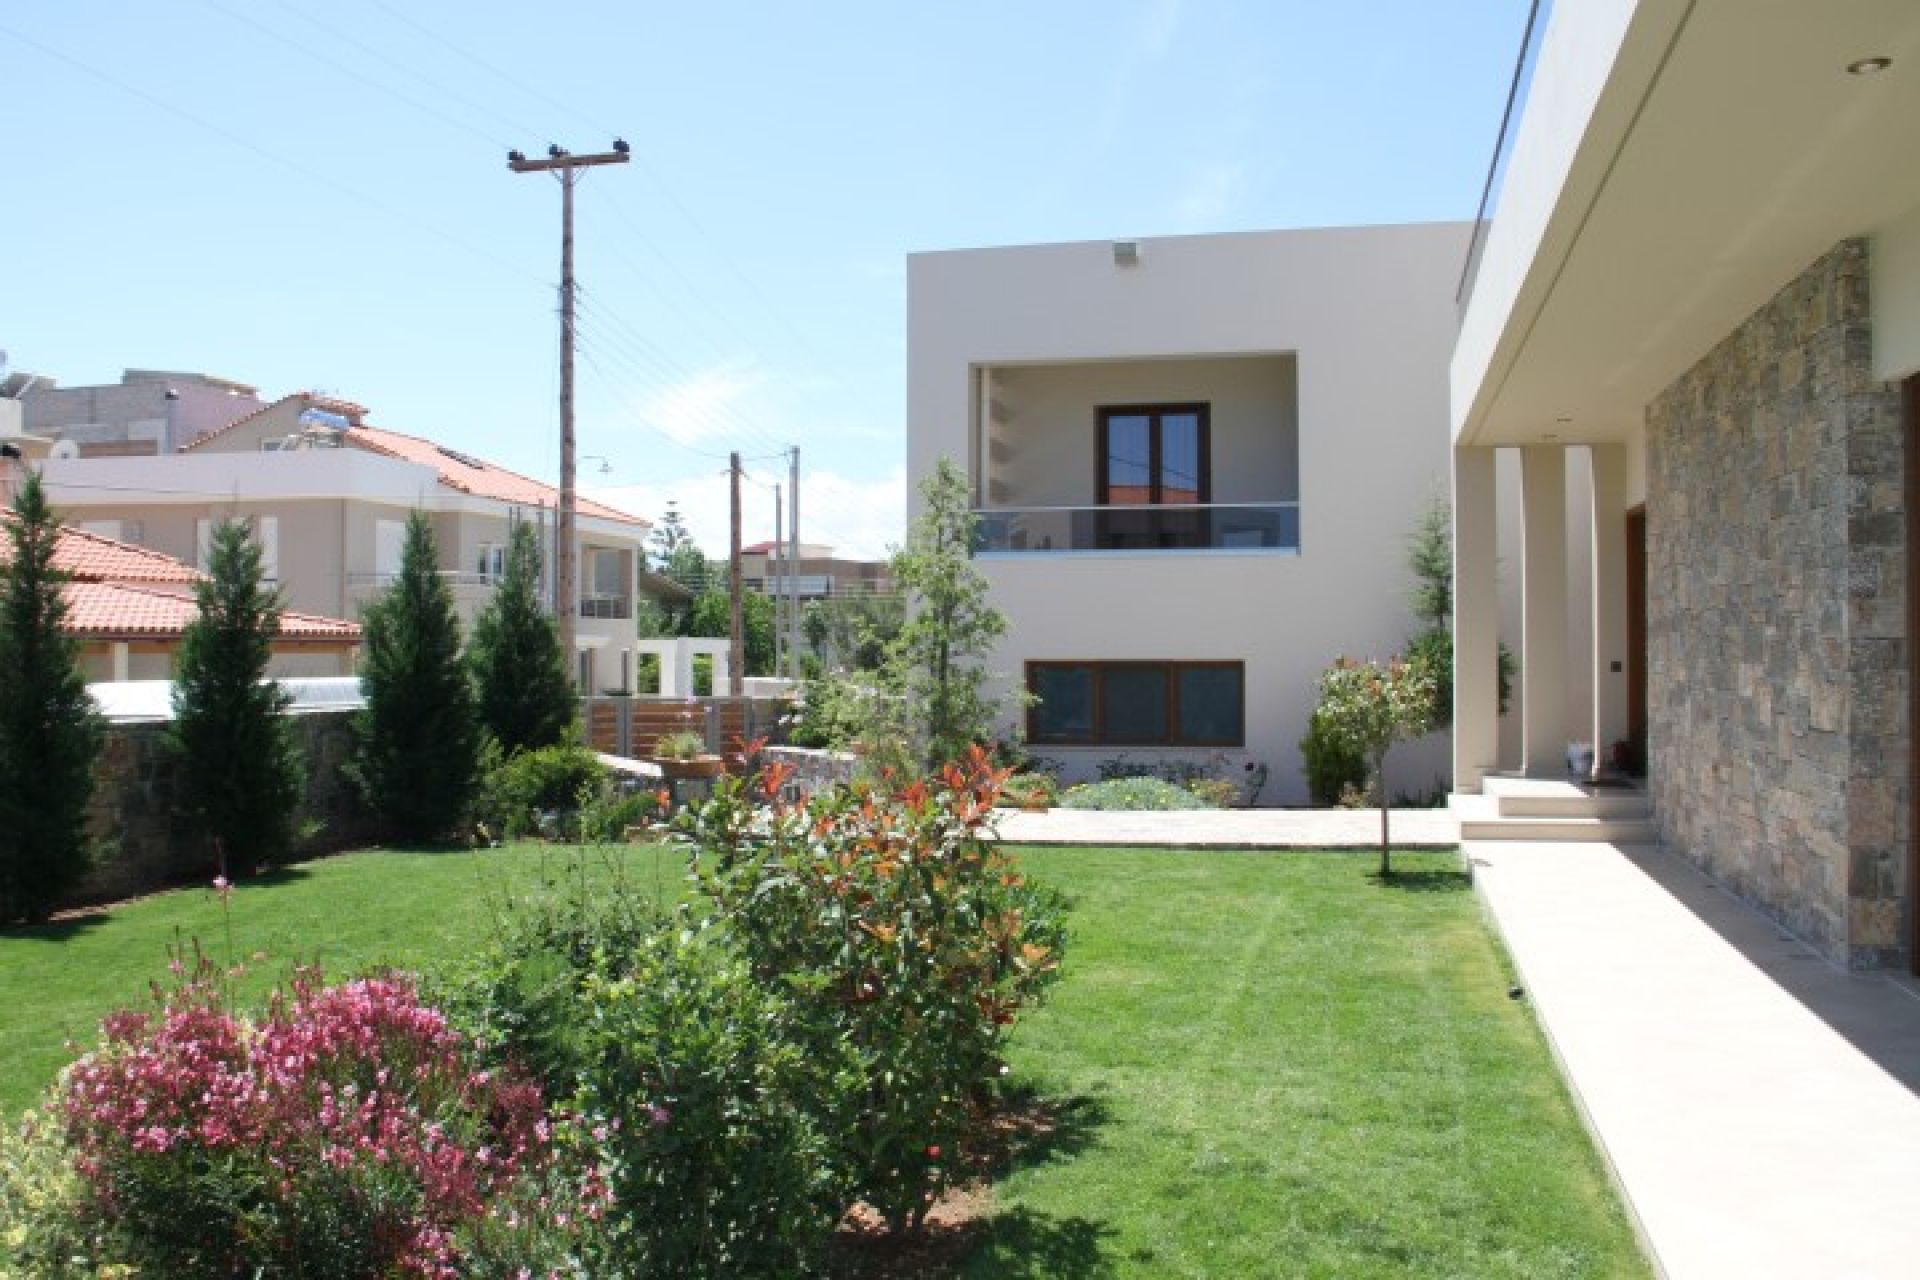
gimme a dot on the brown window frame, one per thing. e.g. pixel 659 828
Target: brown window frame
pixel 1171 668
pixel 1105 413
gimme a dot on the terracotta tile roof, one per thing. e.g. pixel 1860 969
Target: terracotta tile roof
pixel 113 610
pixel 468 474
pixel 93 557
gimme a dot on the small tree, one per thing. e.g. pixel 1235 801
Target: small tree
pixel 49 731
pixel 1368 707
pixel 673 552
pixel 936 658
pixel 525 698
pixel 242 777
pixel 709 617
pixel 1430 556
pixel 419 740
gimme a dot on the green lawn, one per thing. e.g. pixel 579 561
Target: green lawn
pixel 1258 1065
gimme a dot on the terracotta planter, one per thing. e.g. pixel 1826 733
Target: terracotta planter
pixel 698 767
pixel 1034 804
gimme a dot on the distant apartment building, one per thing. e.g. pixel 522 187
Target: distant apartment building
pixel 817 574
pixel 329 497
pixel 149 411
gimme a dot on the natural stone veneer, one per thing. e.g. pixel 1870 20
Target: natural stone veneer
pixel 1776 618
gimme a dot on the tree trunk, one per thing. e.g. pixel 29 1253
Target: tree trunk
pixel 1380 794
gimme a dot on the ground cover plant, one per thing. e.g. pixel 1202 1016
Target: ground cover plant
pixel 1140 793
pixel 1257 1064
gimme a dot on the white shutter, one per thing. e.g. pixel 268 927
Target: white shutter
pixel 389 537
pixel 202 542
pixel 267 530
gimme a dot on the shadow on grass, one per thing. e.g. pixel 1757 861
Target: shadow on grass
pixel 1020 1242
pixel 70 926
pixel 1425 881
pixel 1032 1128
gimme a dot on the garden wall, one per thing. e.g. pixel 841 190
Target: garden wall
pixel 148 845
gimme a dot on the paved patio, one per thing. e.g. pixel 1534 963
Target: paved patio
pixel 1758 1105
pixel 1233 828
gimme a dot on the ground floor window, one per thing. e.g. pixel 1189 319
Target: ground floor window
pixel 1137 704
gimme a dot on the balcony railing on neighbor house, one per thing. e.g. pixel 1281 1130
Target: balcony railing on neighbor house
pixel 1258 526
pixel 606 607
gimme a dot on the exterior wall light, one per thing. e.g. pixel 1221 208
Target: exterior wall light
pixel 1126 253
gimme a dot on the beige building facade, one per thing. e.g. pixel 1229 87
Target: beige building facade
pixel 1197 461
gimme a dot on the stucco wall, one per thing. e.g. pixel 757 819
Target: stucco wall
pixel 1777 649
pixel 1895 259
pixel 1367 313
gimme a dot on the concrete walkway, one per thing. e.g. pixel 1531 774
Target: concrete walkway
pixel 1760 1107
pixel 1233 828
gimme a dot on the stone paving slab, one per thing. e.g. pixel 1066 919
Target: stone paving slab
pixel 1759 1107
pixel 1233 828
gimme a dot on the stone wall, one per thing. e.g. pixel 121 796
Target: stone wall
pixel 148 845
pixel 1776 618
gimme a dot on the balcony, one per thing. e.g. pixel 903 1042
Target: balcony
pixel 1225 527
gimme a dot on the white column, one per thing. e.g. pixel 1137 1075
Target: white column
pixel 1543 609
pixel 1476 620
pixel 1609 596
pixel 722 673
pixel 121 661
pixel 676 669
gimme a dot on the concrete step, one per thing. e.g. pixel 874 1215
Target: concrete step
pixel 1543 798
pixel 1573 830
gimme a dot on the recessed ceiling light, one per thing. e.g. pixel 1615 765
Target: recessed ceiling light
pixel 1868 66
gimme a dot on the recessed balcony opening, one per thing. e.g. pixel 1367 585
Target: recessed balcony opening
pixel 1187 454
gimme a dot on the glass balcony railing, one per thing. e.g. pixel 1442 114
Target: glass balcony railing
pixel 1259 526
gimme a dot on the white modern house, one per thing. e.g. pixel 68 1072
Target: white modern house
pixel 329 497
pixel 1197 461
pixel 1692 329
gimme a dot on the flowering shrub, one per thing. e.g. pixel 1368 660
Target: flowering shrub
pixel 1366 707
pixel 686 1078
pixel 904 939
pixel 1131 794
pixel 346 1134
pixel 44 1228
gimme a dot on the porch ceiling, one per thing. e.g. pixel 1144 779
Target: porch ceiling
pixel 1750 151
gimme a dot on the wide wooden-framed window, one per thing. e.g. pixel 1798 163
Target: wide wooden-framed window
pixel 1137 704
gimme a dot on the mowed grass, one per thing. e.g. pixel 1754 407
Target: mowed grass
pixel 1259 1064
pixel 405 909
pixel 1276 1065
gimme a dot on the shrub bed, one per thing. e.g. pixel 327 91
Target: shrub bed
pixel 1131 793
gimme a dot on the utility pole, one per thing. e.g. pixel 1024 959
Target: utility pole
pixel 567 168
pixel 774 571
pixel 736 631
pixel 793 567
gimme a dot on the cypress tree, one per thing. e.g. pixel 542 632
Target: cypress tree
pixel 242 777
pixel 525 698
pixel 49 731
pixel 418 748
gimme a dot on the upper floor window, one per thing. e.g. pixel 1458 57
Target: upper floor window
pixel 1153 457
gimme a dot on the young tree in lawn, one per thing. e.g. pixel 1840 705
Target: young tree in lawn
pixel 241 777
pixel 526 700
pixel 419 739
pixel 937 658
pixel 49 731
pixel 1369 706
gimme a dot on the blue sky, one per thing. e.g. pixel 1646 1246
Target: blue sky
pixel 313 193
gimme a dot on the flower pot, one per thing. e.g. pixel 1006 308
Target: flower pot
pixel 1034 804
pixel 698 767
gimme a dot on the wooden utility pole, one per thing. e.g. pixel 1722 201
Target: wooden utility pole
pixel 793 566
pixel 567 168
pixel 736 630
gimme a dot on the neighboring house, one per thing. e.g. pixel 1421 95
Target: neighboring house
pixel 329 497
pixel 129 608
pixel 768 568
pixel 149 411
pixel 1695 319
pixel 1197 461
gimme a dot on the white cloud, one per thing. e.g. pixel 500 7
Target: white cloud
pixel 1211 193
pixel 859 518
pixel 703 406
